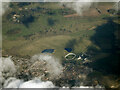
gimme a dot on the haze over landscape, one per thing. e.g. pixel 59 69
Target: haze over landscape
pixel 60 44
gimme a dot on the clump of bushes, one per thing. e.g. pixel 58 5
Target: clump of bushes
pixel 51 21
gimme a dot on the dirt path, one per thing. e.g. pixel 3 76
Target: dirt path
pixel 71 15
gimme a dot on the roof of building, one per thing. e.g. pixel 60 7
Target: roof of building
pixel 68 49
pixel 48 51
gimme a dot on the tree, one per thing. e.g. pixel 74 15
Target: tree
pixel 51 22
pixel 27 19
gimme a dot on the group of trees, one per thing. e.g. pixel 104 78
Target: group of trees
pixel 113 11
pixel 19 4
pixel 51 21
pixel 27 19
pixel 66 11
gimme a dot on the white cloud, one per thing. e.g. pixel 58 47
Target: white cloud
pixel 35 83
pixel 53 65
pixel 3 6
pixel 7 69
pixel 12 83
pixel 80 6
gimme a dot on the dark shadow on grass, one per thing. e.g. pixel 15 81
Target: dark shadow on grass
pixel 106 60
pixel 26 20
pixel 71 44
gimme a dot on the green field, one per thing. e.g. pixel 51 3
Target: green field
pixel 29 28
pixel 49 29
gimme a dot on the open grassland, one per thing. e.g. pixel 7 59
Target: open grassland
pixel 29 28
pixel 49 28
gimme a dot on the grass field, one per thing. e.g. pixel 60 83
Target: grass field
pixel 29 28
pixel 50 29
